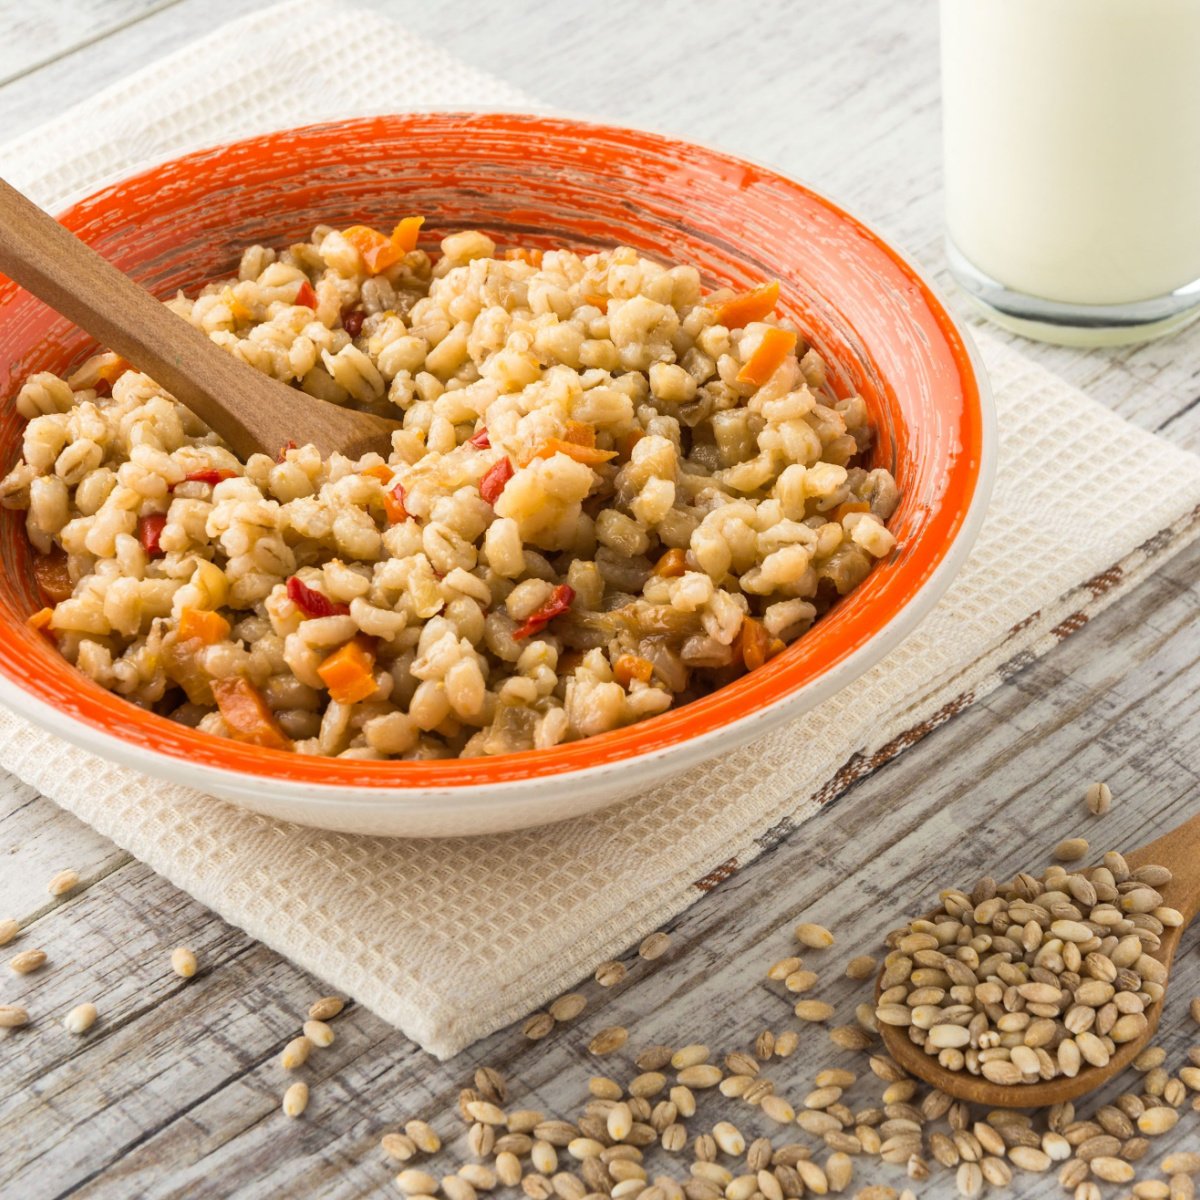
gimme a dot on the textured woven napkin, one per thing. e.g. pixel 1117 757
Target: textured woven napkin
pixel 1085 506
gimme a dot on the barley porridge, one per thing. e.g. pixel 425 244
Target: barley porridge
pixel 611 494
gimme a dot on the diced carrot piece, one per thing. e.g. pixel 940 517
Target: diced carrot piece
pixel 753 643
pixel 364 238
pixel 247 714
pixel 580 433
pixel 348 672
pixel 380 471
pixel 306 296
pixel 769 356
pixel 626 443
pixel 596 300
pixel 379 258
pixel 379 252
pixel 209 627
pixel 393 505
pixel 50 571
pixel 492 484
pixel 588 455
pixel 523 254
pixel 672 564
pixel 39 621
pixel 113 368
pixel 848 506
pixel 629 667
pixel 404 236
pixel 749 306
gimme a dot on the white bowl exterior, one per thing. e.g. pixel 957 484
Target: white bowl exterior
pixel 477 809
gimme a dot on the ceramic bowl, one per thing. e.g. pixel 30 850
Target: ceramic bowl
pixel 543 181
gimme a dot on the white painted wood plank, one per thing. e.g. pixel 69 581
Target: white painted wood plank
pixel 40 33
pixel 38 839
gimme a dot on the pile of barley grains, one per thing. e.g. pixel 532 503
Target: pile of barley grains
pixel 1035 979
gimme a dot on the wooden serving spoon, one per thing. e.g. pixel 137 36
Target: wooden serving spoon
pixel 250 411
pixel 1179 852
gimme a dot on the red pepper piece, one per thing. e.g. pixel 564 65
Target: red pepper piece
pixel 212 475
pixel 393 505
pixel 481 441
pixel 311 602
pixel 149 530
pixel 492 484
pixel 306 297
pixel 288 445
pixel 559 602
pixel 352 321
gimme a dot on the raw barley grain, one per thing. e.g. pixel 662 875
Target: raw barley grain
pixel 611 1038
pixel 655 946
pixel 609 974
pixel 183 963
pixel 1111 1170
pixel 81 1018
pixel 318 1033
pixel 13 1016
pixel 568 1007
pixel 27 961
pixel 815 937
pixel 537 1026
pixel 62 882
pixel 1071 849
pixel 295 1053
pixel 398 1146
pixel 813 1010
pixel 295 1099
pixel 326 1008
pixel 412 1181
pixel 423 1136
pixel 862 967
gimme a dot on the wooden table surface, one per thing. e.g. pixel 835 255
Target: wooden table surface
pixel 176 1091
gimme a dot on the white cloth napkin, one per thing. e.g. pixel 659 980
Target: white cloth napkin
pixel 450 940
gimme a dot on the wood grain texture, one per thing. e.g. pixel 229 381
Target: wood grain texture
pixel 175 1092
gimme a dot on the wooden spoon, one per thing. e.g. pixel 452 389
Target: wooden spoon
pixel 1179 851
pixel 250 411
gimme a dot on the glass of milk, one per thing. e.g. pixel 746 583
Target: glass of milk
pixel 1072 148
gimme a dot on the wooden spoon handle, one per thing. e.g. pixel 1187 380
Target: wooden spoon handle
pixel 251 412
pixel 49 261
pixel 1178 850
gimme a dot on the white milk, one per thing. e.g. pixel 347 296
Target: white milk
pixel 1072 144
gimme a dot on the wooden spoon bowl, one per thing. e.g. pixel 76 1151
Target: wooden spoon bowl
pixel 1179 851
pixel 253 413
